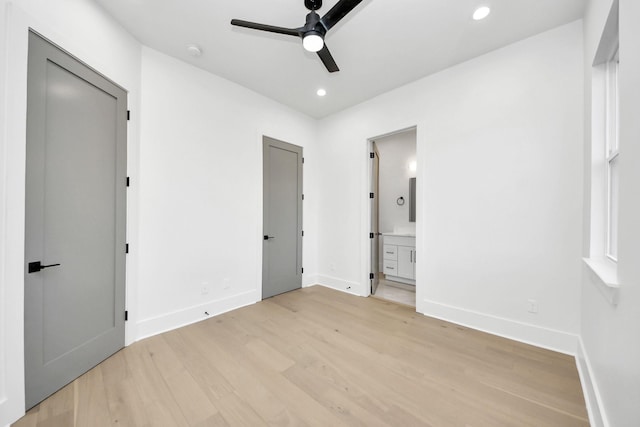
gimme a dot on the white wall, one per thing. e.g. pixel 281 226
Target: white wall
pixel 80 27
pixel 500 162
pixel 609 357
pixel 201 192
pixel 5 405
pixel 194 156
pixel 397 152
pixel 499 147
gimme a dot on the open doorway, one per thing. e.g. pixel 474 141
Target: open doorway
pixel 393 216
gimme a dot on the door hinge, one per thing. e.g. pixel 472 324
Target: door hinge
pixel 372 155
pixel 302 270
pixel 126 315
pixel 128 115
pixel 371 235
pixel 371 195
pixel 303 197
pixel 303 160
pixel 372 276
pixel 126 248
pixel 128 181
pixel 302 233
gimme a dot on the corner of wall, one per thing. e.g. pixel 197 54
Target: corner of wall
pixel 551 339
pixel 179 318
pixel 349 287
pixel 597 416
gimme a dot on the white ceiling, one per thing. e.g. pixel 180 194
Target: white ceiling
pixel 379 46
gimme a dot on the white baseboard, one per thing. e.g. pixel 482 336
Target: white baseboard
pixel 309 280
pixel 592 397
pixel 551 339
pixel 353 288
pixel 166 322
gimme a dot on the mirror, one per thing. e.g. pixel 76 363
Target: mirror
pixel 412 200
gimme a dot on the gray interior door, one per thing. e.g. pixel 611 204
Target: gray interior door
pixel 282 217
pixel 75 219
pixel 375 222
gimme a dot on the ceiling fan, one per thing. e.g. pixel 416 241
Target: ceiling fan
pixel 314 30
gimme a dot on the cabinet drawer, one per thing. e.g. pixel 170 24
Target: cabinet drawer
pixel 390 267
pixel 390 252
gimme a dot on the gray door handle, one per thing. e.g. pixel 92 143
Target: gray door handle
pixel 269 237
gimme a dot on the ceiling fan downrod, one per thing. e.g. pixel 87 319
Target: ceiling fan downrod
pixel 313 4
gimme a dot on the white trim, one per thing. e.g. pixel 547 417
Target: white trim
pixel 13 214
pixel 612 124
pixel 365 224
pixel 177 319
pixel 605 277
pixel 353 288
pixel 309 279
pixel 400 279
pixel 550 339
pixel 590 390
pixel 365 248
pixel 3 226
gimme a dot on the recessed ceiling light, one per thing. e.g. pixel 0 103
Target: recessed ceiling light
pixel 481 13
pixel 194 50
pixel 321 92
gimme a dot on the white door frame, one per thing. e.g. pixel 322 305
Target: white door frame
pixel 366 223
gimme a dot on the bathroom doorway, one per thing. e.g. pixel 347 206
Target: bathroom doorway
pixel 393 216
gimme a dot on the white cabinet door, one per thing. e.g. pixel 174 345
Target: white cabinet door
pixel 406 266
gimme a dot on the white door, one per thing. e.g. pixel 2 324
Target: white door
pixel 75 220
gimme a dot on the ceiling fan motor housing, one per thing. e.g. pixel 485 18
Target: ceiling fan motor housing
pixel 313 25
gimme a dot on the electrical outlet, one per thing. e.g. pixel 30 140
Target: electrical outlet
pixel 532 306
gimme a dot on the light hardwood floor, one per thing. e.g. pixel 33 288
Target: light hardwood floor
pixel 396 292
pixel 319 357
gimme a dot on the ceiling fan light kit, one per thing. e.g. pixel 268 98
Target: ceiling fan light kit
pixel 313 31
pixel 312 41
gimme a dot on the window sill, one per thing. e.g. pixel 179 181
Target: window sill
pixel 607 277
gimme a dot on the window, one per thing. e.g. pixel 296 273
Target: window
pixel 612 154
pixel 605 159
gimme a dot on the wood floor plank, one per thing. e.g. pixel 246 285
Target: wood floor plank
pixel 206 373
pixel 296 404
pixel 222 353
pixel 194 403
pixel 91 408
pixel 159 405
pixel 319 357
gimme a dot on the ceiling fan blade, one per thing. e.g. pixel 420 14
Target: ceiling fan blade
pixel 328 60
pixel 263 27
pixel 337 12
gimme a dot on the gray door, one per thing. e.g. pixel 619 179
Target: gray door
pixel 375 223
pixel 75 219
pixel 282 217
